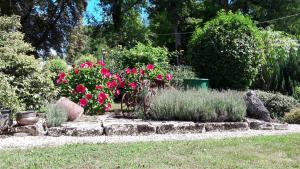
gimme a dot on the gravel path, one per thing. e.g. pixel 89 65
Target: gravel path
pixel 46 141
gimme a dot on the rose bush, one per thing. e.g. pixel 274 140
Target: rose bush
pixel 93 86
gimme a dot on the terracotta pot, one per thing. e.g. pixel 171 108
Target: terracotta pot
pixel 26 118
pixel 74 110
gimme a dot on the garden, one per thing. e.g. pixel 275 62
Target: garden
pixel 227 74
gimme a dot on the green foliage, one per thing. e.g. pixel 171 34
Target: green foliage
pixel 140 54
pixel 281 70
pixel 56 66
pixel 293 117
pixel 55 115
pixel 227 51
pixel 277 103
pixel 181 72
pixel 8 96
pixel 85 58
pixel 32 86
pixel 200 105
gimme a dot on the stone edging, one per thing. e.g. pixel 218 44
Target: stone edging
pixel 113 127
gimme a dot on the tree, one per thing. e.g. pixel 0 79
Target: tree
pixel 171 16
pixel 46 23
pixel 227 50
pixel 32 86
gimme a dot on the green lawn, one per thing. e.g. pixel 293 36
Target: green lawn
pixel 256 152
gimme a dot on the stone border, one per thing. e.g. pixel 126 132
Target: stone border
pixel 137 127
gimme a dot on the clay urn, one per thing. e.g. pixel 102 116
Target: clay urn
pixel 73 110
pixel 26 118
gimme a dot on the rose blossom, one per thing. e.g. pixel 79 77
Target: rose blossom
pixel 169 77
pixel 101 62
pixel 83 102
pixel 88 96
pixel 150 67
pixel 128 70
pixel 159 77
pixel 101 97
pixel 87 64
pixel 132 85
pixel 76 71
pixel 111 84
pixel 105 73
pixel 134 71
pixel 80 88
pixel 108 107
pixel 142 72
pixel 98 87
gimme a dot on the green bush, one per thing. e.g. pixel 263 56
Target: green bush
pixel 195 105
pixel 181 72
pixel 55 115
pixel 293 117
pixel 56 66
pixel 85 58
pixel 227 51
pixel 277 103
pixel 281 70
pixel 8 96
pixel 32 87
pixel 140 54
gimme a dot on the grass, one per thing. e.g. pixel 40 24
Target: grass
pixel 255 152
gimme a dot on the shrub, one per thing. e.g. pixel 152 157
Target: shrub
pixel 8 96
pixel 293 117
pixel 85 58
pixel 195 105
pixel 55 115
pixel 56 66
pixel 32 86
pixel 227 51
pixel 140 54
pixel 277 103
pixel 181 72
pixel 281 70
pixel 92 85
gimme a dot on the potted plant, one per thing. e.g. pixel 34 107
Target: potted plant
pixel 196 83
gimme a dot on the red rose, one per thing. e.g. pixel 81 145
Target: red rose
pixel 159 77
pixel 105 73
pixel 169 77
pixel 87 64
pixel 133 71
pixel 128 71
pixel 121 84
pixel 142 72
pixel 61 75
pixel 88 96
pixel 83 102
pixel 132 85
pixel 150 67
pixel 101 97
pixel 108 107
pixel 111 84
pixel 98 87
pixel 117 92
pixel 80 88
pixel 101 62
pixel 76 71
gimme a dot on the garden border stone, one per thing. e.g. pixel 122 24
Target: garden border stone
pixel 113 126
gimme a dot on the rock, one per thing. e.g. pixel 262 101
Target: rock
pixel 256 108
pixel 226 126
pixel 179 128
pixel 4 123
pixel 77 129
pixel 21 134
pixel 279 126
pixel 120 129
pixel 74 110
pixel 31 130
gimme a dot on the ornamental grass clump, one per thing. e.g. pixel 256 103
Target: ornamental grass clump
pixel 193 105
pixel 55 115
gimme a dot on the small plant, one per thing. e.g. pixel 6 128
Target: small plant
pixel 56 66
pixel 85 58
pixel 181 72
pixel 193 105
pixel 277 103
pixel 293 117
pixel 55 115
